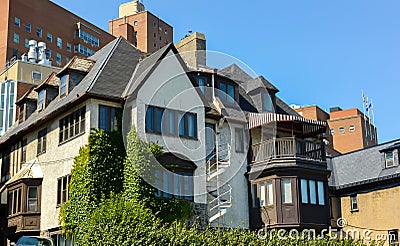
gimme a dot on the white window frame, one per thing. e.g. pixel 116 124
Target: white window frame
pixel 287 193
pixel 354 203
pixel 389 162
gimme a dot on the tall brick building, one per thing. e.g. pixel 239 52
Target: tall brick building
pixel 349 130
pixel 140 27
pixel 65 33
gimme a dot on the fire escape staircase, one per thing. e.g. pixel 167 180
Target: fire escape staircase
pixel 220 193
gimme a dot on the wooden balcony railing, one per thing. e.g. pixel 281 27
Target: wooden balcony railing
pixel 291 147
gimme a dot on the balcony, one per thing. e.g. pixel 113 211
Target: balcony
pixel 288 148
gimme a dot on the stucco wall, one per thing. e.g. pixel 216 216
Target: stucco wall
pixel 169 87
pixel 379 211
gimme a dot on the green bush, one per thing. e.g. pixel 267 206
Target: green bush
pixel 111 204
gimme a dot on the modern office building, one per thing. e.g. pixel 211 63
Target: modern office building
pixel 65 33
pixel 145 30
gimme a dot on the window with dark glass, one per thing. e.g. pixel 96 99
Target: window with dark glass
pixel 23 153
pixel 14 201
pixel 160 120
pixel 63 85
pixel 28 27
pixel 239 140
pixel 17 22
pixel 63 189
pixel 39 32
pixel 354 203
pixel 202 82
pixel 32 199
pixel 227 92
pixel 267 102
pixel 72 125
pixel 178 186
pixel 5 166
pixel 154 117
pixel 41 100
pixel 254 196
pixel 108 118
pixel 41 146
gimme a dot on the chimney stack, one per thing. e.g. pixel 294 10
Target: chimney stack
pixel 192 48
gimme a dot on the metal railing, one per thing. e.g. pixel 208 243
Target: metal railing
pixel 290 147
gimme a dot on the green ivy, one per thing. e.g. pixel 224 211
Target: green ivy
pixel 111 204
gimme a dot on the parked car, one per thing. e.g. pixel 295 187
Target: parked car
pixel 33 241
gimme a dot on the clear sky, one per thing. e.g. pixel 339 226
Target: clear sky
pixel 315 51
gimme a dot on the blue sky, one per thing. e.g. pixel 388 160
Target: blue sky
pixel 315 52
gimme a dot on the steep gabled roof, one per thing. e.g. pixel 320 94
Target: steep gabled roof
pixel 144 69
pixel 106 79
pixel 31 94
pixel 236 73
pixel 259 82
pixel 52 80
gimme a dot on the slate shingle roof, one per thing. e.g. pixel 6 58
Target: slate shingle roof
pixel 113 67
pixel 363 166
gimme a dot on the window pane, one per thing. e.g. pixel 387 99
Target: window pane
pixel 267 103
pixel 202 84
pixel 222 87
pixel 63 88
pixel 182 124
pixel 254 195
pixel 171 122
pixel 104 116
pixel 231 93
pixel 239 142
pixel 192 125
pixel 270 193
pixel 262 194
pixel 59 191
pixel 150 119
pixel 167 184
pixel 160 113
pixel 313 192
pixel 286 191
pixel 321 193
pixel 177 186
pixel 304 191
pixel 32 199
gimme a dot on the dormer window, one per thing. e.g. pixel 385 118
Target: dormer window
pixel 63 85
pixel 267 102
pixel 227 92
pixel 389 159
pixel 41 100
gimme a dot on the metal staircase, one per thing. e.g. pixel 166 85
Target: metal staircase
pixel 220 193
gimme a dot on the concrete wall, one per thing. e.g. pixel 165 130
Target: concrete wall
pixel 22 71
pixel 378 210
